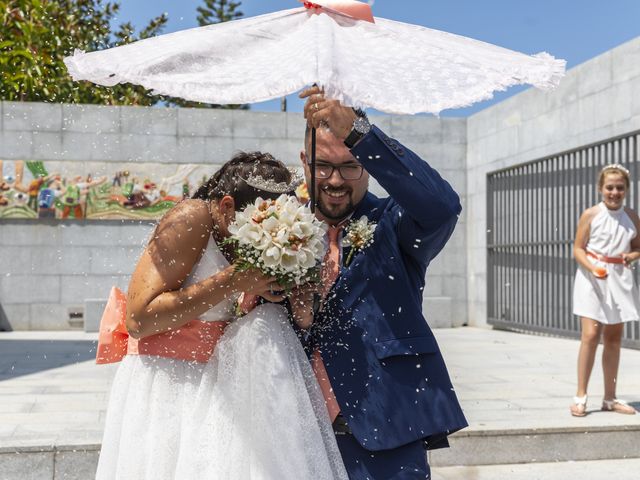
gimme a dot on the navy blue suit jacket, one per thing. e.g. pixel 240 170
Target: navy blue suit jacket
pixel 383 361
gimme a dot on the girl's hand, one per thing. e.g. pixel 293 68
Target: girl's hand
pixel 600 272
pixel 629 258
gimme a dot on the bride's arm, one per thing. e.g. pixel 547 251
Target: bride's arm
pixel 156 301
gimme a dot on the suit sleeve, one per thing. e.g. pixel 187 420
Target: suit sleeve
pixel 428 205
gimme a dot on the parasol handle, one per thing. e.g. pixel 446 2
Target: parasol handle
pixel 312 189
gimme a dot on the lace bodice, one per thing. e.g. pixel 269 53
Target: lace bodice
pixel 211 262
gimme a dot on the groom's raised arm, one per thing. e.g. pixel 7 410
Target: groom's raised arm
pixel 429 207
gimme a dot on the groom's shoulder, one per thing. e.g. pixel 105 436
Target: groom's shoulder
pixel 380 207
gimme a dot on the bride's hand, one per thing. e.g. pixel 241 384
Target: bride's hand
pixel 255 282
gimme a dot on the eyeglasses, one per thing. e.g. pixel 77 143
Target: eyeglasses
pixel 347 172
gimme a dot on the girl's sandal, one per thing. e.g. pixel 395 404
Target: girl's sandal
pixel 618 406
pixel 579 407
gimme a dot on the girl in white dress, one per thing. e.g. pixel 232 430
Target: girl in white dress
pixel 180 300
pixel 604 295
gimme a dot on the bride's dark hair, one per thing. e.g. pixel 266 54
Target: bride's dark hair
pixel 229 180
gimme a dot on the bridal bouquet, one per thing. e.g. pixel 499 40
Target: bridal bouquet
pixel 281 237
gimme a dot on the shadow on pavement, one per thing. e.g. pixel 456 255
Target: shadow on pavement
pixel 24 357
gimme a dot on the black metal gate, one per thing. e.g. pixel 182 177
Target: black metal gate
pixel 532 214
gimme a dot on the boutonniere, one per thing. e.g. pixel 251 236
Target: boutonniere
pixel 358 235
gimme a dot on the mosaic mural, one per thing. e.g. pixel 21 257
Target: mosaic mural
pixel 29 190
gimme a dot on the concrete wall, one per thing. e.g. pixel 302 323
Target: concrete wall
pixel 49 268
pixel 595 101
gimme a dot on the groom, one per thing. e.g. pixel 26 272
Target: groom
pixel 392 390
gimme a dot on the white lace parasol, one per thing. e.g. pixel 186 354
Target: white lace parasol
pixel 390 66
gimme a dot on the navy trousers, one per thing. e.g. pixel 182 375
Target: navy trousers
pixel 408 462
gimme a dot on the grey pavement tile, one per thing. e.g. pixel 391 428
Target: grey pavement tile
pixel 31 430
pixel 28 439
pixel 483 405
pixel 79 404
pixel 7 388
pixel 46 419
pixel 10 408
pixel 26 466
pixel 78 388
pixel 90 435
pixel 76 465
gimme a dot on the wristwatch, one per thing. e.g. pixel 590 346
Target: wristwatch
pixel 360 128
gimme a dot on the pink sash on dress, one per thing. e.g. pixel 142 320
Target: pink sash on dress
pixel 192 342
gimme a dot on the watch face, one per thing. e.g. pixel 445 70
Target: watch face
pixel 362 125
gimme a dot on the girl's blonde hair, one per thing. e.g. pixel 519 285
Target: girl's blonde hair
pixel 616 169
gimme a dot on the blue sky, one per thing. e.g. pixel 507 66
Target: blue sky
pixel 575 30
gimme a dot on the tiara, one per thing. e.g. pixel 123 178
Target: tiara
pixel 269 185
pixel 616 166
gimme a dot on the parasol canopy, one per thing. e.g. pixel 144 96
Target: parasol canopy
pixel 362 61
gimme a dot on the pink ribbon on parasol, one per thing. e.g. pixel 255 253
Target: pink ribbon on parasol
pixel 353 9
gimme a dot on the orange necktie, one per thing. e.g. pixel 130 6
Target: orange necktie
pixel 328 274
pixel 331 264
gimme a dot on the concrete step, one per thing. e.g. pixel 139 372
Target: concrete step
pixel 510 446
pixel 79 462
pixel 589 470
pixel 71 462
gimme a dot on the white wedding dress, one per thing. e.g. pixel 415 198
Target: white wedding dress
pixel 259 413
pixel 254 412
pixel 150 398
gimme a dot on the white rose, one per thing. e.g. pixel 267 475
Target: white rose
pixel 271 257
pixel 289 260
pixel 251 234
pixel 270 225
pixel 306 258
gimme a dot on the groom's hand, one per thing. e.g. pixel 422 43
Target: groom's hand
pixel 302 300
pixel 320 111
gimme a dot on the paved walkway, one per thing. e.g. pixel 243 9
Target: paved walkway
pixel 51 393
pixel 515 381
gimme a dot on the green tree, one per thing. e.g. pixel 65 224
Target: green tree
pixel 35 36
pixel 214 11
pixel 218 11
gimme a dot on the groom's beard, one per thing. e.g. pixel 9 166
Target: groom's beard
pixel 335 212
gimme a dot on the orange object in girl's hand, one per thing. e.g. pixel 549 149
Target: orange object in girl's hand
pixel 600 272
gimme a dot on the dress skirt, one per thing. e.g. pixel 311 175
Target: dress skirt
pixel 150 398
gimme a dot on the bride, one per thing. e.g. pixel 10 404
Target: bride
pixel 255 410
